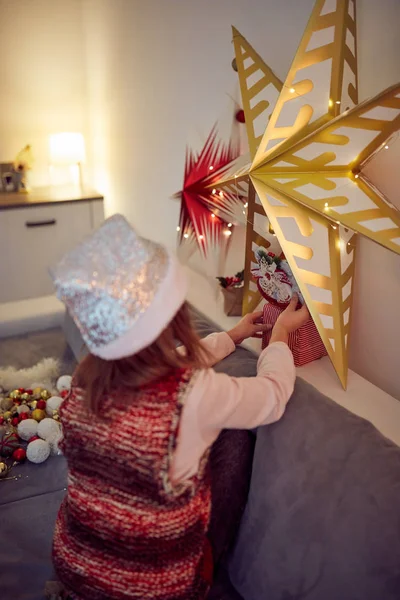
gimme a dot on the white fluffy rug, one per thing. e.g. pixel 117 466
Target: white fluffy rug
pixel 44 374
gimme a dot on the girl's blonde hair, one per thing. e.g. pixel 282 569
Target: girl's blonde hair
pixel 99 377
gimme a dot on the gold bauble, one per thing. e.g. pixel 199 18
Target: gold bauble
pixel 38 414
pixel 33 404
pixel 7 415
pixel 3 469
pixel 36 392
pixel 25 396
pixel 45 395
pixel 15 394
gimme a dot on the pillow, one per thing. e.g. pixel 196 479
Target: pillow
pixel 323 515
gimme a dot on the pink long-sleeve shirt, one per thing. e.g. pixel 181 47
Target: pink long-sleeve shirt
pixel 218 401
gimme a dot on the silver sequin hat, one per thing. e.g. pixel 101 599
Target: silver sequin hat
pixel 121 290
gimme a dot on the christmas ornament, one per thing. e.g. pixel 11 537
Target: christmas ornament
pixel 25 397
pixel 7 415
pixel 23 408
pixel 38 451
pixel 41 404
pixel 21 390
pixel 23 416
pixel 36 392
pixel 33 404
pixel 64 383
pixel 8 442
pixel 4 469
pixel 15 394
pixel 307 167
pixel 45 395
pixel 48 429
pixel 6 403
pixel 27 429
pixel 1 420
pixel 239 116
pixel 38 414
pixel 15 421
pixel 53 404
pixel 64 394
pixel 19 454
pixel 234 65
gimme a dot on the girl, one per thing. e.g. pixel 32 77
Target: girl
pixel 141 417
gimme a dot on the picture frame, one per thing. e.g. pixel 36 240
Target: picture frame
pixel 8 183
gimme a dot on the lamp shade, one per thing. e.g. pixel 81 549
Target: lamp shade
pixel 67 148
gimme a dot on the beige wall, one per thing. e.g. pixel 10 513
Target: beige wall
pixel 42 76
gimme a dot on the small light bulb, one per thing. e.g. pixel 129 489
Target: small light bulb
pixel 357 176
pixel 211 167
pixel 386 147
pixel 221 194
pixel 212 216
pixel 334 226
pixel 292 90
pixel 214 191
pixel 229 224
pixel 227 232
pixel 178 228
pixel 246 205
pixel 186 235
pixel 338 222
pixel 244 212
pixel 235 176
pixel 348 244
pixel 326 206
pixel 201 237
pixel 337 101
pixel 330 103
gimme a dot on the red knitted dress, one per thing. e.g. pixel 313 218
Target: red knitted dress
pixel 123 531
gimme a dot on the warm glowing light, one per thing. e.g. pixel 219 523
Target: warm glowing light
pixel 330 102
pixel 229 224
pixel 334 226
pixel 211 167
pixel 246 205
pixel 357 176
pixel 292 90
pixel 244 212
pixel 337 101
pixel 178 228
pixel 221 194
pixel 212 216
pixel 67 148
pixel 227 232
pixel 386 147
pixel 214 191
pixel 201 237
pixel 186 235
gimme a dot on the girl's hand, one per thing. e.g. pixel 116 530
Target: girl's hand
pixel 289 321
pixel 250 326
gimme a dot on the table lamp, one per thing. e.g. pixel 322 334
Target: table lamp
pixel 67 153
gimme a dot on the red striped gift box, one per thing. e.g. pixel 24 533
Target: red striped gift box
pixel 305 343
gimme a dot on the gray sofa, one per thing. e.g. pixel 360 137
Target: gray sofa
pixel 322 519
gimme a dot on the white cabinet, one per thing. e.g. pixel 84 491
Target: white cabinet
pixel 34 237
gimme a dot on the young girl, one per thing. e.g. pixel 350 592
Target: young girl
pixel 141 417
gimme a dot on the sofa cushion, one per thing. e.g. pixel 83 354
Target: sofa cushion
pixel 323 516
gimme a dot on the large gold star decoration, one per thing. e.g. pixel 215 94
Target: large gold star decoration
pixel 307 167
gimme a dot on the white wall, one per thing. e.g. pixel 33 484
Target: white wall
pixel 42 76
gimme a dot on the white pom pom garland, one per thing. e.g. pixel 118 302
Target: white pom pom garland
pixel 48 429
pixel 53 404
pixel 38 451
pixel 27 429
pixel 64 383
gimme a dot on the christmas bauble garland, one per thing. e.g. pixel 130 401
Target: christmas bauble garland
pixel 30 425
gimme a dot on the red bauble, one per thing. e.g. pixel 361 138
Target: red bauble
pixel 41 404
pixel 24 416
pixel 1 420
pixel 15 421
pixel 64 393
pixel 35 437
pixel 21 390
pixel 30 392
pixel 19 454
pixel 240 116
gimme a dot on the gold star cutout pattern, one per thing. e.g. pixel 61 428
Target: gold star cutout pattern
pixel 307 168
